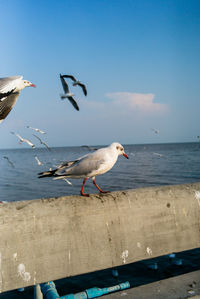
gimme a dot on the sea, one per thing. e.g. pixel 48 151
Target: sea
pixel 148 165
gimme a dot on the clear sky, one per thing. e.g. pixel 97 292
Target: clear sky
pixel 140 61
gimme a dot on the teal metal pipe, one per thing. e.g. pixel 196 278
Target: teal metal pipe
pixel 49 291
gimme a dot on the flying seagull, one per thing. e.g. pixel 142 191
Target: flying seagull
pixel 10 162
pixel 76 82
pixel 23 140
pixel 156 131
pixel 89 147
pixel 67 93
pixel 42 142
pixel 88 166
pixel 10 88
pixel 38 161
pixel 36 130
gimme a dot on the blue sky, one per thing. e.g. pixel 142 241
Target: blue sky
pixel 139 60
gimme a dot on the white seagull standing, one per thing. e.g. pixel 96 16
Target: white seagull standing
pixel 88 166
pixel 10 88
pixel 42 142
pixel 23 140
pixel 67 93
pixel 76 82
pixel 36 130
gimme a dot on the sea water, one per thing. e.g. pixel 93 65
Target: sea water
pixel 149 165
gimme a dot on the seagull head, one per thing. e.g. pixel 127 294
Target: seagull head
pixel 118 148
pixel 28 83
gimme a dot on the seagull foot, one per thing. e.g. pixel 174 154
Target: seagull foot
pixel 85 194
pixel 102 191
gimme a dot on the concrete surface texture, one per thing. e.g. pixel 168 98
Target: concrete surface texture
pixel 48 239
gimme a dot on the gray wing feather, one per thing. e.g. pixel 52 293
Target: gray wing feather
pixel 7 104
pixel 73 102
pixel 8 83
pixel 64 84
pixel 83 167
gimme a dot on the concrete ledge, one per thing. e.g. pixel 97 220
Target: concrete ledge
pixel 52 238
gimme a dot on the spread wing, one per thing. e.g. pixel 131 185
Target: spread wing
pixel 83 88
pixel 64 84
pixel 7 104
pixel 69 76
pixel 8 84
pixel 73 102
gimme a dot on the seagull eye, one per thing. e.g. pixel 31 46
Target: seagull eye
pixel 117 147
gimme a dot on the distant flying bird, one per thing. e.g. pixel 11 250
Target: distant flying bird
pixel 88 166
pixel 38 161
pixel 36 130
pixel 156 131
pixel 23 140
pixel 198 137
pixel 10 162
pixel 10 88
pixel 89 147
pixel 157 154
pixel 76 82
pixel 68 94
pixel 42 142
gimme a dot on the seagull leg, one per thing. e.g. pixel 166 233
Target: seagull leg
pixel 82 193
pixel 98 186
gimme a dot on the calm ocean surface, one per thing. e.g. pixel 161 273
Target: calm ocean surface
pixel 149 165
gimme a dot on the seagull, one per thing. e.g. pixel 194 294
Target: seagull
pixel 36 130
pixel 76 82
pixel 156 131
pixel 38 161
pixel 10 88
pixel 42 142
pixel 67 93
pixel 89 147
pixel 10 162
pixel 88 166
pixel 157 154
pixel 24 140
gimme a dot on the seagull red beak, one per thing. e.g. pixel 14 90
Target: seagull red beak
pixel 126 156
pixel 33 85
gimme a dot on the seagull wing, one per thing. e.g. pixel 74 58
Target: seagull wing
pixel 83 88
pixel 64 84
pixel 29 142
pixel 7 104
pixel 8 84
pixel 83 167
pixel 38 138
pixel 69 76
pixel 45 144
pixel 73 102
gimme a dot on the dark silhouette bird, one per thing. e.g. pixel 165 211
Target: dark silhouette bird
pixel 10 88
pixel 76 82
pixel 67 93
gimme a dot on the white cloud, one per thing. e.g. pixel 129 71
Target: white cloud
pixel 137 101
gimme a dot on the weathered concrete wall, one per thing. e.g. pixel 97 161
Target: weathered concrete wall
pixel 48 239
